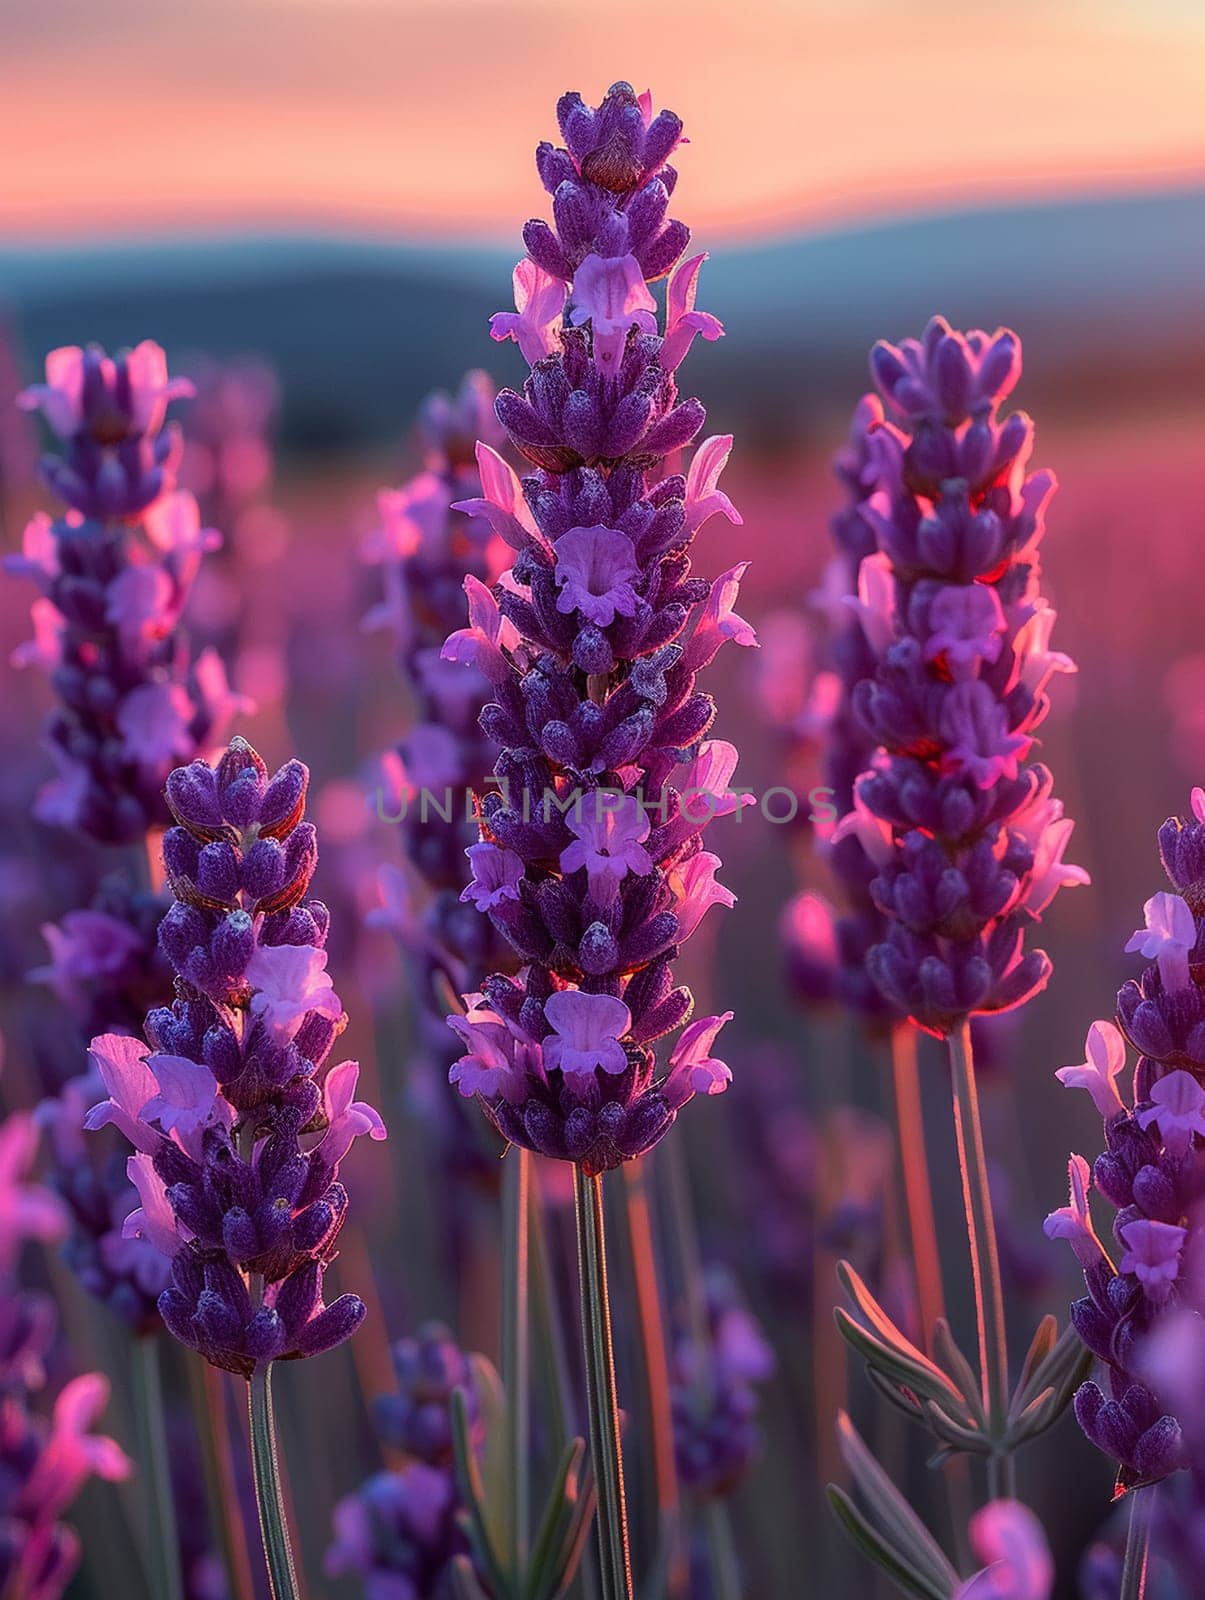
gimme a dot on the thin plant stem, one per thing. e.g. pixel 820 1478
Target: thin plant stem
pixel 548 1319
pixel 985 1259
pixel 516 1347
pixel 1138 1541
pixel 273 1525
pixel 154 1460
pixel 606 1448
pixel 669 1568
pixel 725 1568
pixel 918 1192
pixel 922 1234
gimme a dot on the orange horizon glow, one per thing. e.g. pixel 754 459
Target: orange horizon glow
pixel 418 118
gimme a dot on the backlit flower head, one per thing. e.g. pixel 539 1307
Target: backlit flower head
pixel 590 863
pixel 947 686
pixel 238 1123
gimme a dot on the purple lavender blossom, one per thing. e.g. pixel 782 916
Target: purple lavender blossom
pixel 428 549
pixel 113 576
pixel 398 1533
pixel 227 458
pixel 238 1139
pixel 591 644
pixel 125 1273
pixel 1011 1543
pixel 1152 1170
pixel 848 747
pixel 1171 1363
pixel 959 832
pixel 430 1367
pixel 43 1461
pixel 714 1392
pixel 105 966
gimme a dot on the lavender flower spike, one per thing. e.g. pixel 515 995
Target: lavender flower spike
pixel 591 860
pixel 591 645
pixel 1152 1171
pixel 976 840
pixel 958 840
pixel 113 576
pixel 428 544
pixel 44 1461
pixel 237 1131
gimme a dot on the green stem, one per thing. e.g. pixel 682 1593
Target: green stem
pixel 725 1569
pixel 985 1260
pixel 548 1321
pixel 272 1523
pixel 606 1449
pixel 153 1458
pixel 1138 1539
pixel 918 1193
pixel 516 1344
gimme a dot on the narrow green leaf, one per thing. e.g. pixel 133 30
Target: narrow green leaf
pixel 894 1518
pixel 1035 1419
pixel 895 1364
pixel 894 1395
pixel 579 1532
pixel 472 1493
pixel 543 1571
pixel 1062 1370
pixel 464 1581
pixel 1045 1338
pixel 875 1322
pixel 959 1368
pixel 860 1532
pixel 971 1439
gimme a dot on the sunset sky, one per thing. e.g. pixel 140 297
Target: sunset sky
pixel 410 117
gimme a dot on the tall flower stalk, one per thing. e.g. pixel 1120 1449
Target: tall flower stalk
pixel 1144 1296
pixel 590 861
pixel 827 945
pixel 425 550
pixel 43 1461
pixel 114 574
pixel 959 828
pixel 238 1130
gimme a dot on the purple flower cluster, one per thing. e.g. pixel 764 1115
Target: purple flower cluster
pixel 713 1392
pixel 398 1533
pixel 1172 1363
pixel 960 830
pixel 1152 1168
pixel 429 1367
pixel 238 1139
pixel 106 970
pixel 401 1529
pixel 113 576
pixel 827 950
pixel 126 1273
pixel 591 861
pixel 43 1462
pixel 427 550
pixel 105 965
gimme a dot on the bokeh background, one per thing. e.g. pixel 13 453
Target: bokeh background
pixel 324 197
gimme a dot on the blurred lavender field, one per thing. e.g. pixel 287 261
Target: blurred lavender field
pixel 312 358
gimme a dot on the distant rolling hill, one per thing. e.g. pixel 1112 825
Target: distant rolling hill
pixel 1107 294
